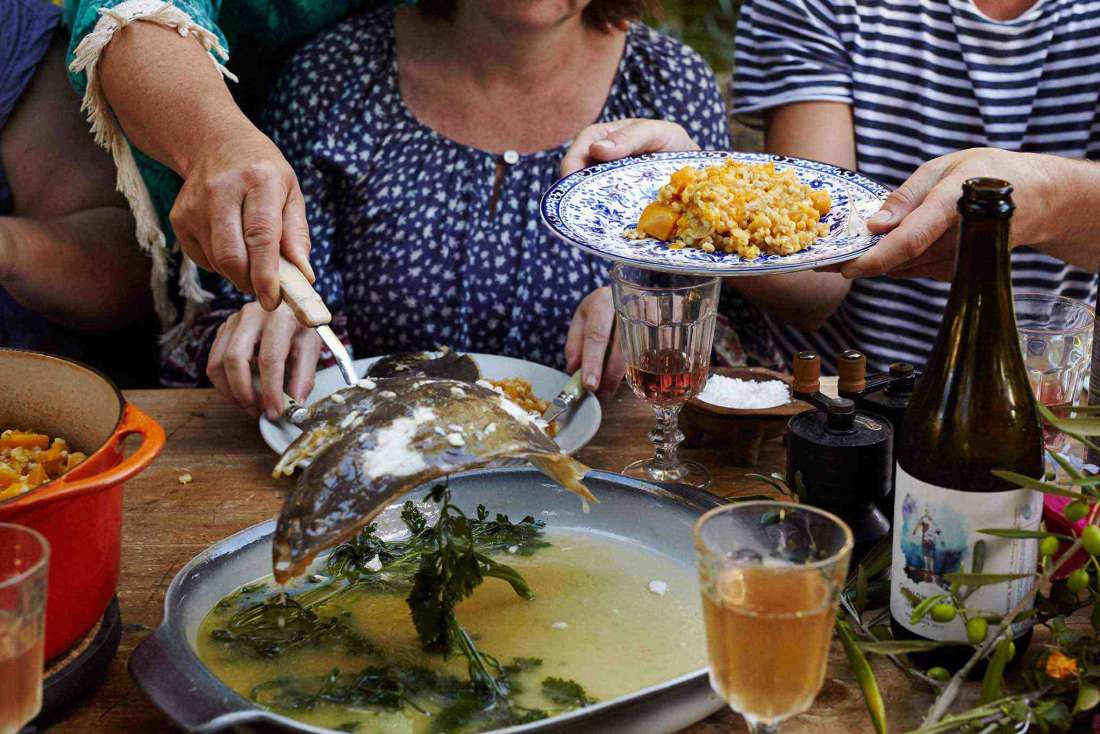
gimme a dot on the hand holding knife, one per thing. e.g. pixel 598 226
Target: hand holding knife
pixel 574 390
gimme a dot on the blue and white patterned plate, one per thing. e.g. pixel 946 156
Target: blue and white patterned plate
pixel 592 208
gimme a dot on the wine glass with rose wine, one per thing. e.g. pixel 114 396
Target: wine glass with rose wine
pixel 666 330
pixel 770 575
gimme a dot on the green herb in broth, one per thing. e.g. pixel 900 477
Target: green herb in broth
pixel 457 705
pixel 391 683
pixel 269 629
pixel 451 560
pixel 566 693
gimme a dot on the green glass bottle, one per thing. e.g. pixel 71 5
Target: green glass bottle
pixel 971 412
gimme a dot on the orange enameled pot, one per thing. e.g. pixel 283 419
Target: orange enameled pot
pixel 80 513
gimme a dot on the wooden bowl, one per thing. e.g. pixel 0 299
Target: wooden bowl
pixel 740 431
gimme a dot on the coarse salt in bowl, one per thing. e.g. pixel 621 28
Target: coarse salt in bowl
pixel 731 392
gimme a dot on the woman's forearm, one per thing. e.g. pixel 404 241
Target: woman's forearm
pixel 803 300
pixel 168 97
pixel 83 270
pixel 819 131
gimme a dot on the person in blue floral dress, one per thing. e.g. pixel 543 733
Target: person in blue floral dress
pixel 422 180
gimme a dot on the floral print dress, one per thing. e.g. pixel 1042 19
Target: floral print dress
pixel 415 241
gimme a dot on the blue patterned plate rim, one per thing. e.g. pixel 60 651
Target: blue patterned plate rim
pixel 591 208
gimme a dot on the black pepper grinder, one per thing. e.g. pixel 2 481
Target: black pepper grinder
pixel 838 458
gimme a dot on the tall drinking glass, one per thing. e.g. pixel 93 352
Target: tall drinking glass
pixel 666 330
pixel 24 558
pixel 771 574
pixel 1056 339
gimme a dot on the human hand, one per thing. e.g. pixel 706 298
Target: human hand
pixel 587 344
pixel 239 209
pixel 609 141
pixel 921 218
pixel 278 342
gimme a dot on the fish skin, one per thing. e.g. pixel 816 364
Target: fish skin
pixel 336 495
pixel 448 365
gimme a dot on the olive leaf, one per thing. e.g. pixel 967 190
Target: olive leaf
pixel 993 680
pixel 1046 487
pixel 1077 424
pixel 899 647
pixel 881 632
pixel 977 565
pixel 1013 533
pixel 921 610
pixel 861 589
pixel 876 708
pixel 775 481
pixel 983 579
pixel 1067 467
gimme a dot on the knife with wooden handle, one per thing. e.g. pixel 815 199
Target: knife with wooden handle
pixel 310 311
pixel 573 391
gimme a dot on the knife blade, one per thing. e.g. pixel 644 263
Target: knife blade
pixel 570 394
pixel 310 311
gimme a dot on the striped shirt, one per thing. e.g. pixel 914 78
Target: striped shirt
pixel 925 78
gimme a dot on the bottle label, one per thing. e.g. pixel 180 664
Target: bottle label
pixel 936 534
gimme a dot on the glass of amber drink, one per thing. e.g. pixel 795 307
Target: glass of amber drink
pixel 770 574
pixel 24 558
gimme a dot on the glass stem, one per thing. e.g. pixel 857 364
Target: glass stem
pixel 666 437
pixel 763 727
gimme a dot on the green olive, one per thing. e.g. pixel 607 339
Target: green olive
pixel 1090 538
pixel 1048 546
pixel 1078 580
pixel 938 674
pixel 943 612
pixel 1076 510
pixel 976 630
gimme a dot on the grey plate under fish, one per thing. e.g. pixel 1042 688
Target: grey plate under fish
pixel 168 670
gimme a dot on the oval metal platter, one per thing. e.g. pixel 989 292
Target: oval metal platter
pixel 169 672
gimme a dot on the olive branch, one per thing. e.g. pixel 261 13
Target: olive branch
pixel 1052 695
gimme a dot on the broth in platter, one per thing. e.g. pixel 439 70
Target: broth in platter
pixel 608 615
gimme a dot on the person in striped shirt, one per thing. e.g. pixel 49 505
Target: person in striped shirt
pixel 886 86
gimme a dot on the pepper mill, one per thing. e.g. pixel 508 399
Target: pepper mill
pixel 838 458
pixel 890 402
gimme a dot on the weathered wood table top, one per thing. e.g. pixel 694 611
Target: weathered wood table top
pixel 166 523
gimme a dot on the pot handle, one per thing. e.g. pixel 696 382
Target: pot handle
pixel 134 421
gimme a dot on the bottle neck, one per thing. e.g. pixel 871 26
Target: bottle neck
pixel 981 293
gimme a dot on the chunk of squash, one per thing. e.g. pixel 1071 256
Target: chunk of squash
pixel 7 475
pixel 682 178
pixel 658 220
pixel 37 475
pixel 24 439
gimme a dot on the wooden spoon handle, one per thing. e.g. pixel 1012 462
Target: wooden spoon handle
pixel 307 305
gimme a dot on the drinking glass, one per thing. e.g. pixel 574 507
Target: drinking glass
pixel 666 330
pixel 24 558
pixel 771 574
pixel 1056 338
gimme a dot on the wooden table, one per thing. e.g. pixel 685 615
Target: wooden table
pixel 166 523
